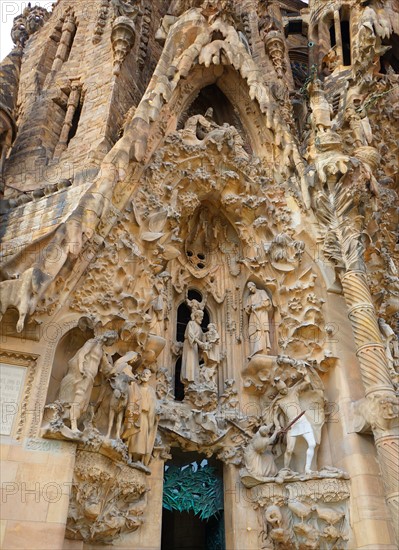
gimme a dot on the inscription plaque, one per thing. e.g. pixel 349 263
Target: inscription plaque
pixel 12 380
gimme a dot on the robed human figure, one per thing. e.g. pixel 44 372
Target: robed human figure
pixel 194 341
pixel 257 306
pixel 141 421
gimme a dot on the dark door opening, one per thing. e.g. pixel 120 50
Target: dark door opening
pixel 192 514
pixel 185 531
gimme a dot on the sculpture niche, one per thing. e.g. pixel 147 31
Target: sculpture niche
pixel 126 400
pixel 200 358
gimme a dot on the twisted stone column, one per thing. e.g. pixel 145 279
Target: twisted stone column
pixel 378 387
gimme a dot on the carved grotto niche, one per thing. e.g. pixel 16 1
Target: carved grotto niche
pixel 103 400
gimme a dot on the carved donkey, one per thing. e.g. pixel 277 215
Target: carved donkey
pixel 118 402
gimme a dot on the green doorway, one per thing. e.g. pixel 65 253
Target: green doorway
pixel 192 515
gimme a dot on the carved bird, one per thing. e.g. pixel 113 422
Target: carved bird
pixel 310 533
pixel 300 509
pixel 330 516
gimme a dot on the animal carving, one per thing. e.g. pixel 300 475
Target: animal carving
pixel 118 402
pixel 300 509
pixel 329 515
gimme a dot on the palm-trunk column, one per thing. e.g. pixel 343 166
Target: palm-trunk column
pixel 382 414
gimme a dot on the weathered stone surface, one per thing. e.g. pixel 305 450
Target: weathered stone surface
pixel 199 255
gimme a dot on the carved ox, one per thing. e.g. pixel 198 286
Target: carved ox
pixel 118 402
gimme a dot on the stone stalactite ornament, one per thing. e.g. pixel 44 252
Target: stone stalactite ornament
pixel 275 48
pixel 122 37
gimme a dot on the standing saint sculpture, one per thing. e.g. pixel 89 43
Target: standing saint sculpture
pixel 257 307
pixel 77 384
pixel 141 419
pixel 194 341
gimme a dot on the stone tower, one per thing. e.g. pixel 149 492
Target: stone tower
pixel 199 286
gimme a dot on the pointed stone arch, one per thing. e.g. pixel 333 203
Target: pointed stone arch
pixel 236 90
pixel 191 60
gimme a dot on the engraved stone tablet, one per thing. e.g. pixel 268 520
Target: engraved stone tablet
pixel 11 386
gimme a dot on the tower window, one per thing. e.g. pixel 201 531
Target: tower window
pixel 333 39
pixel 346 42
pixel 75 122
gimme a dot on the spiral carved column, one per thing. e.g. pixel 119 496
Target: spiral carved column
pixel 378 387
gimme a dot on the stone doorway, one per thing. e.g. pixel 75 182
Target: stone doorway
pixel 192 513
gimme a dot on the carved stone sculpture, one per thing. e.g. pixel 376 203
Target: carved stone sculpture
pixel 142 421
pixel 303 515
pixel 258 459
pixel 194 342
pixel 321 109
pixel 119 376
pixel 212 353
pixel 287 403
pixel 257 307
pixel 77 384
pixel 392 349
pixel 107 499
pixel 29 22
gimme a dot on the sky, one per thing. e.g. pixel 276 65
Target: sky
pixel 8 10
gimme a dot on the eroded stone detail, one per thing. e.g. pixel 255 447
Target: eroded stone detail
pixel 107 498
pixel 217 189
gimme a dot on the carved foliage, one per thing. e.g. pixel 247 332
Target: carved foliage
pixel 107 499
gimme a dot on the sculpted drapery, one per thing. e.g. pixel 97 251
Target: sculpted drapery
pixel 257 307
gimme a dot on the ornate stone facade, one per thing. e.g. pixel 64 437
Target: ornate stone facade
pixel 199 258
